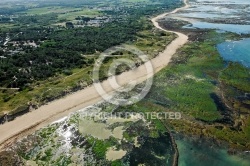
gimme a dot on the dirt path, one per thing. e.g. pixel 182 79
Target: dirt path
pixel 58 109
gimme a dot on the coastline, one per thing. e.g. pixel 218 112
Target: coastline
pixel 58 109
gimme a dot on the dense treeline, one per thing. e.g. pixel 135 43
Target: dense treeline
pixel 19 70
pixel 42 20
pixel 62 48
pixel 88 40
pixel 62 51
pixel 32 33
pixel 11 11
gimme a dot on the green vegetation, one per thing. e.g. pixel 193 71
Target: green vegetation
pixel 70 16
pixel 39 92
pixel 238 79
pixel 51 9
pixel 198 84
pixel 62 143
pixel 211 96
pixel 188 85
pixel 117 163
pixel 100 147
pixel 59 66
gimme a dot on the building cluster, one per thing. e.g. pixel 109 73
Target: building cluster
pixel 95 21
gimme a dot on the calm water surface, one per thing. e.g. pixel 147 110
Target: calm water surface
pixel 236 51
pixel 201 152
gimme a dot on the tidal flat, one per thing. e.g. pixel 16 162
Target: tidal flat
pixel 229 16
pixel 80 139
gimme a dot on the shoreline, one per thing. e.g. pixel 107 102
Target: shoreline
pixel 46 114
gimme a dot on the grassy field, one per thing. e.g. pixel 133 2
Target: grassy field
pixel 47 10
pixel 7 26
pixel 151 43
pixel 69 16
pixel 186 87
pixel 64 13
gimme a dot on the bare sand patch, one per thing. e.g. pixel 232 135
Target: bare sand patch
pixel 113 154
pixel 31 163
pixel 118 132
pixel 97 130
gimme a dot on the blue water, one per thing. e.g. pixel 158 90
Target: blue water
pixel 236 51
pixel 239 29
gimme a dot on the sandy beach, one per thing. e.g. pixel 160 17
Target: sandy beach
pixel 28 123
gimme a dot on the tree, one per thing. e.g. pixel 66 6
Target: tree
pixel 69 25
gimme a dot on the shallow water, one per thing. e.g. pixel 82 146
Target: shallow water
pixel 239 29
pixel 204 153
pixel 225 15
pixel 207 15
pixel 236 51
pixel 234 13
pixel 200 15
